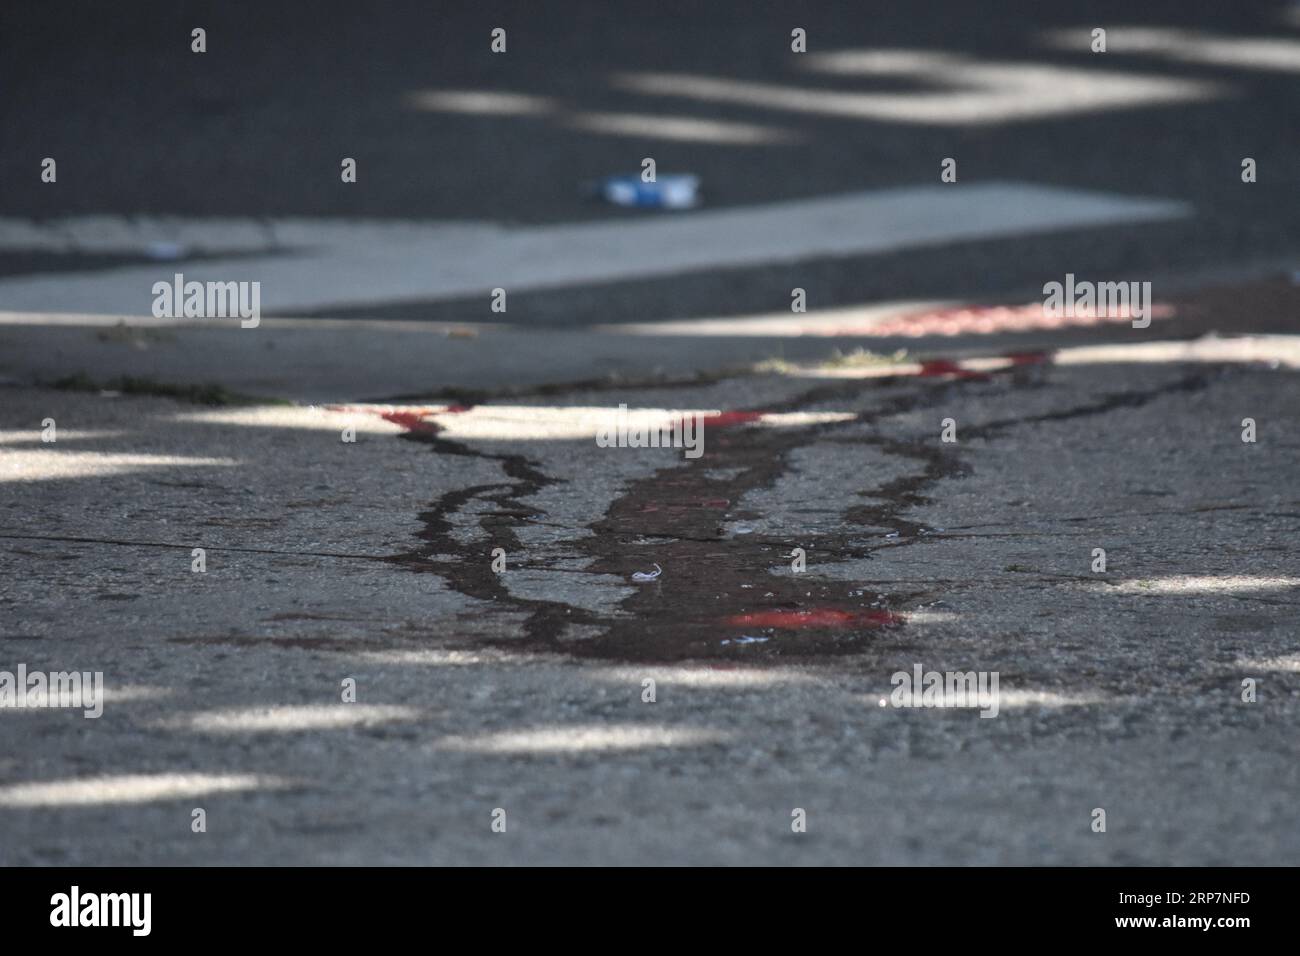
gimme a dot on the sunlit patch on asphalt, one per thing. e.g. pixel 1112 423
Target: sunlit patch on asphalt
pixel 49 465
pixel 584 738
pixel 1206 584
pixel 972 92
pixel 1011 698
pixel 125 694
pixel 978 368
pixel 986 320
pixel 131 788
pixel 1287 664
pixel 1273 351
pixel 776 419
pixel 286 719
pixel 365 419
pixel 1281 54
pixel 33 436
pixel 566 422
pixel 717 675
pixel 481 102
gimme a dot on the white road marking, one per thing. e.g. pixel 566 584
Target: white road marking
pixel 308 264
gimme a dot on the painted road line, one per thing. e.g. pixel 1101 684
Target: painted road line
pixel 306 265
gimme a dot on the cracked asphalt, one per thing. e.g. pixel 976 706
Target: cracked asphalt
pixel 522 689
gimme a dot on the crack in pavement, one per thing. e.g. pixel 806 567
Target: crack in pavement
pixel 1109 403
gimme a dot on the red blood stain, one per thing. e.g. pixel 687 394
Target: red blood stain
pixel 722 419
pixel 411 421
pixel 948 367
pixel 815 617
pixel 456 409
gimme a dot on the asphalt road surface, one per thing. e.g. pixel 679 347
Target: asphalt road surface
pixel 361 585
pixel 446 132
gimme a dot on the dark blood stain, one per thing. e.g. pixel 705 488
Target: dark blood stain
pixel 467 569
pixel 900 495
pixel 715 588
pixel 717 504
pixel 676 517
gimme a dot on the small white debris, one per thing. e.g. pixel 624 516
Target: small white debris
pixel 647 575
pixel 162 250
